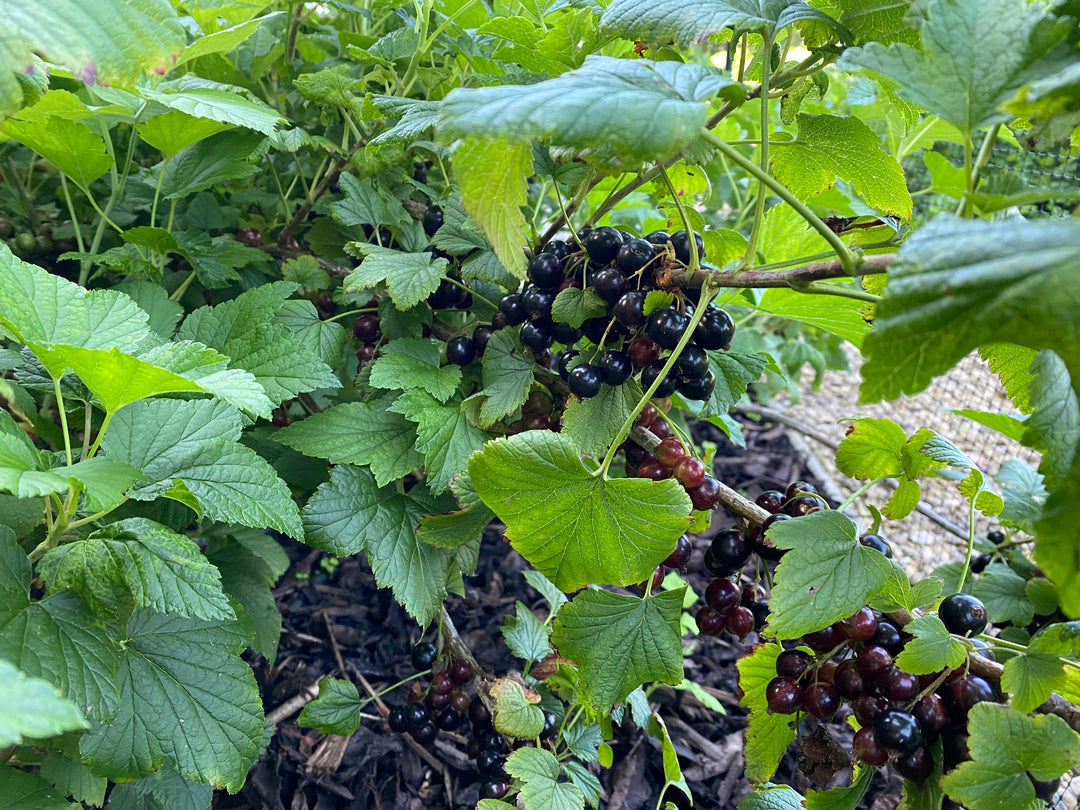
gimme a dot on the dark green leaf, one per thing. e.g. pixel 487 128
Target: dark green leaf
pixel 335 711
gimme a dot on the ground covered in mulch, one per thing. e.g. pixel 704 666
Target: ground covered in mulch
pixel 337 623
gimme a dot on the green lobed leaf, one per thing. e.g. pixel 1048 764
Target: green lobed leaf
pixel 491 173
pixel 1032 676
pixel 1006 424
pixel 538 770
pixel 507 376
pixel 217 105
pixel 224 40
pixel 1056 551
pixel 661 20
pixel 444 434
pixel 1012 364
pixel 57 639
pixel 187 700
pixel 932 649
pixel 164 789
pixel 586 781
pixel 773 797
pixel 411 363
pixel 525 635
pixel 830 147
pixel 28 791
pixel 155 567
pixel 734 372
pixel 585 109
pixel 517 709
pixel 620 642
pixel 825 576
pixel 34 708
pixel 358 433
pixel 409 277
pixel 335 711
pixel 73 779
pixel 959 284
pixel 190 451
pixel 350 514
pixel 839 316
pixel 214 159
pixel 594 423
pixel 1054 426
pixel 574 527
pixel 872 448
pixel 883 21
pixel 575 306
pixel 962 84
pixel 69 145
pixel 244 330
pixel 1004 594
pixel 453 530
pixel 767 735
pixel 1005 744
pixel 841 798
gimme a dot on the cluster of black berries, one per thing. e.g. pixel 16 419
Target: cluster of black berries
pixel 444 704
pixel 900 714
pixel 367 331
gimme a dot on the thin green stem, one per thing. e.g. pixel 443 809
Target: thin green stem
pixel 97 515
pixel 691 241
pixel 101 434
pixel 859 492
pixel 976 169
pixel 71 210
pixel 566 216
pixel 818 288
pixel 964 208
pixel 707 294
pixel 63 418
pixel 178 293
pixel 473 292
pixel 970 548
pixel 759 205
pixel 847 258
pixel 88 426
pixel 392 687
pixel 352 312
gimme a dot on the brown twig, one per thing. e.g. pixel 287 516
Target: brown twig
pixel 295 703
pixel 333 643
pixel 324 184
pixel 675 276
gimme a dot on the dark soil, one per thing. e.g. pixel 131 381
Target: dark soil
pixel 337 623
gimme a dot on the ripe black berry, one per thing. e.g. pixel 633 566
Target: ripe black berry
pixel 448 720
pixel 897 685
pixel 659 238
pixel 898 731
pixel 610 284
pixel 876 542
pixel 740 621
pixel 481 335
pixel 665 326
pixel 634 254
pixel 249 236
pixel 495 789
pixel 681 243
pixel 698 389
pixel 681 555
pixel 433 219
pixel 562 364
pixel 603 244
pixel 793 663
pixel 416 716
pixel 545 270
pixel 705 495
pixel 536 335
pixel 722 595
pixel 963 614
pixel 366 328
pixel 783 696
pixel 512 309
pixel 397 719
pixel 693 363
pixel 461 672
pixel 649 375
pixel 996 537
pixel 585 380
pixel 867 749
pixel 821 700
pixel 537 302
pixel 771 500
pixel 715 329
pixel 615 366
pixel 916 766
pixel 488 760
pixel 709 622
pixel 630 309
pixel 731 550
pixel 849 683
pixel 565 333
pixel 460 350
pixel 426 734
pixel 423 655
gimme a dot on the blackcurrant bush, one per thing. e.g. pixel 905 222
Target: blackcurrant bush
pixel 615 366
pixel 460 350
pixel 585 380
pixel 551 725
pixel 423 655
pixel 666 325
pixel 545 270
pixel 433 219
pixel 898 731
pixel 963 614
pixel 603 244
